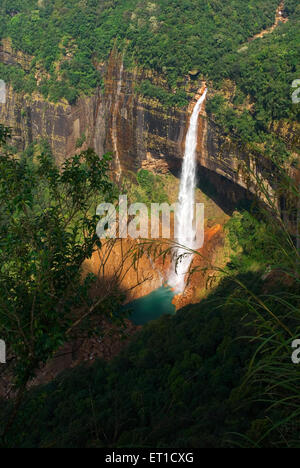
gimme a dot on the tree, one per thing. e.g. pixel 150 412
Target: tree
pixel 4 134
pixel 47 230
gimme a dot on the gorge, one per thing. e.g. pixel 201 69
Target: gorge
pixel 140 132
pixel 130 342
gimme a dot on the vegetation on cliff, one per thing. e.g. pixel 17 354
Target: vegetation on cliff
pixel 171 37
pixel 213 375
pixel 65 40
pixel 145 187
pixel 255 91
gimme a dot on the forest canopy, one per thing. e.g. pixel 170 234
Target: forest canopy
pixel 250 81
pixel 172 37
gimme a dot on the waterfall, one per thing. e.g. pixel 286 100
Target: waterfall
pixel 186 228
pixel 114 124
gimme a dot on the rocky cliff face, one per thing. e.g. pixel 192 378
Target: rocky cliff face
pixel 146 134
pixel 33 118
pixel 139 131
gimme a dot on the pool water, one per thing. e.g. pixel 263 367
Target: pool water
pixel 151 307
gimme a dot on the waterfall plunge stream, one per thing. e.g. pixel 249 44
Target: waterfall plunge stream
pixel 186 228
pixel 114 124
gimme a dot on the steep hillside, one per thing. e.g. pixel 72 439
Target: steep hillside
pixel 65 38
pixel 141 67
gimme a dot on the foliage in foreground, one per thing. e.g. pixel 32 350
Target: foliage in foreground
pixel 218 374
pixel 270 243
pixel 47 230
pixel 177 385
pixel 170 36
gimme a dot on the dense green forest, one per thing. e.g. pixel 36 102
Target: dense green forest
pixel 217 374
pixel 173 387
pixel 261 78
pixel 171 37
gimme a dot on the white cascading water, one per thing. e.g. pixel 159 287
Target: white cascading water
pixel 186 228
pixel 114 124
